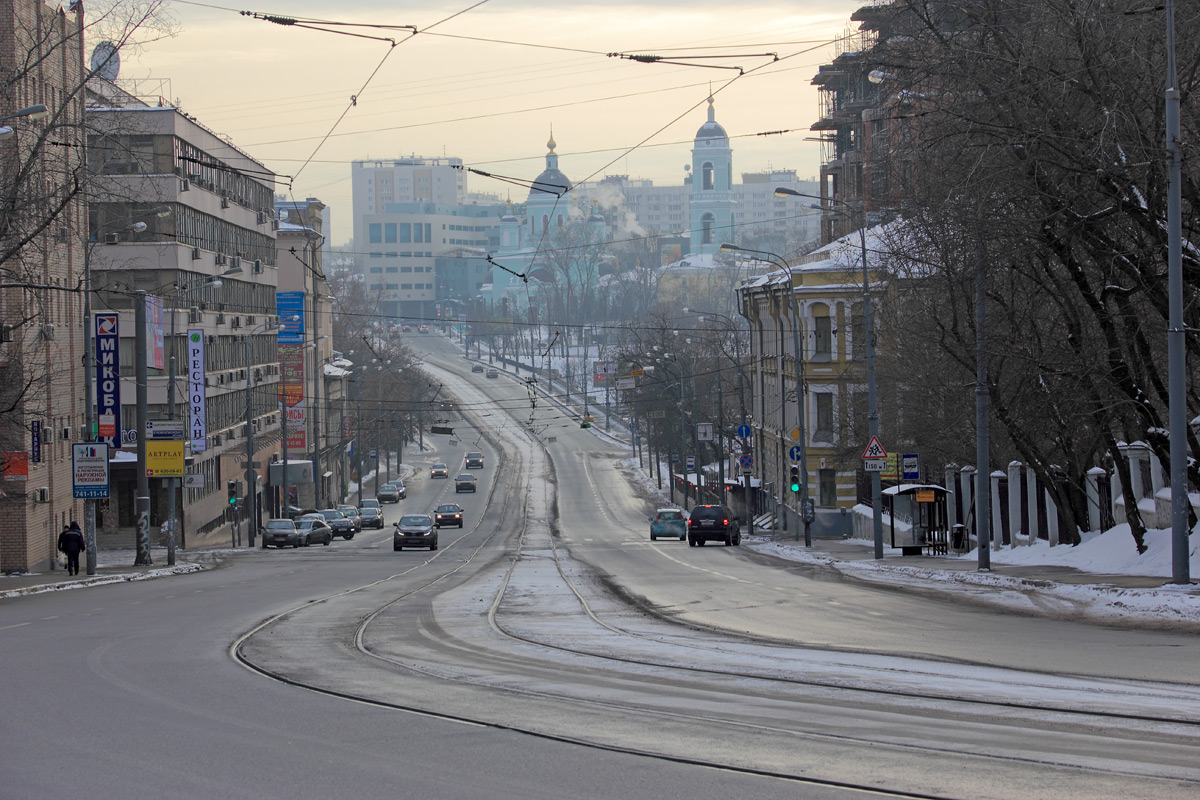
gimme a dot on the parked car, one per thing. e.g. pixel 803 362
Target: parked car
pixel 352 513
pixel 713 524
pixel 388 494
pixel 668 522
pixel 280 533
pixel 491 373
pixel 473 461
pixel 464 483
pixel 415 530
pixel 340 524
pixel 313 529
pixel 438 471
pixel 449 514
pixel 372 518
pixel 477 368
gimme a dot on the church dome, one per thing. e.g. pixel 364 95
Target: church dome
pixel 711 133
pixel 546 184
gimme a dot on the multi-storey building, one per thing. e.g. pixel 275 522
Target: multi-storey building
pixel 42 257
pixel 183 215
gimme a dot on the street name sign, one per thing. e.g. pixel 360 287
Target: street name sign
pixel 166 429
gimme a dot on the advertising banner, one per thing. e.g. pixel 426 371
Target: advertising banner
pixel 16 466
pixel 89 470
pixel 154 333
pixel 291 395
pixel 35 441
pixel 164 459
pixel 108 378
pixel 196 391
pixel 289 305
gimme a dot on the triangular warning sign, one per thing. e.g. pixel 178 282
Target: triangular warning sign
pixel 874 449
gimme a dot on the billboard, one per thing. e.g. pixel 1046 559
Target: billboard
pixel 198 428
pixel 287 306
pixel 291 394
pixel 108 378
pixel 154 333
pixel 89 470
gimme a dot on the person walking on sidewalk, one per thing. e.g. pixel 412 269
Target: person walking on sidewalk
pixel 70 541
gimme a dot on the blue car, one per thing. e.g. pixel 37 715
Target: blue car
pixel 668 522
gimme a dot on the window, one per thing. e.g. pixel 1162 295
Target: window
pixel 823 333
pixel 824 431
pixel 391 269
pixel 707 171
pixel 406 269
pixel 707 223
pixel 389 233
pixel 392 286
pixel 858 332
pixel 827 480
pixel 375 271
pixel 406 286
pixel 375 233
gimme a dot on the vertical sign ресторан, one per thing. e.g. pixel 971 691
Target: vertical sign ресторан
pixel 108 379
pixel 198 430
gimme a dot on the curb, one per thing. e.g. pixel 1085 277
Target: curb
pixel 102 580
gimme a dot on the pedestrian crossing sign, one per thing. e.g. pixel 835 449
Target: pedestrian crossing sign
pixel 874 450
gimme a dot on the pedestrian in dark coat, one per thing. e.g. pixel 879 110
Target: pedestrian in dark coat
pixel 71 542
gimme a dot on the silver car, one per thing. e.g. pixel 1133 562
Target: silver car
pixel 280 533
pixel 314 529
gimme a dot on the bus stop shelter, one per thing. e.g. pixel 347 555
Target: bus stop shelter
pixel 919 520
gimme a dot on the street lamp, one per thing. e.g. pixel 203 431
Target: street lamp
pixel 806 509
pixel 250 474
pixel 32 112
pixel 869 345
pixel 664 361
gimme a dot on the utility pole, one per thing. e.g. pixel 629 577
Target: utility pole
pixel 142 501
pixel 251 479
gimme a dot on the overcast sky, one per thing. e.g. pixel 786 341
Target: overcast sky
pixel 277 90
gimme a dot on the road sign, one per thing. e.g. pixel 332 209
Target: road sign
pixel 808 511
pixel 691 463
pixel 166 429
pixel 164 459
pixel 795 434
pixel 674 458
pixel 910 468
pixel 746 460
pixel 795 452
pixel 657 413
pixel 637 372
pixel 704 431
pixel 744 431
pixel 193 481
pixel 89 469
pixel 874 466
pixel 251 465
pixel 589 419
pixel 874 450
pixel 626 383
pixel 372 454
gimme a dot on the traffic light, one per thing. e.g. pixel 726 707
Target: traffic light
pixel 795 479
pixel 233 492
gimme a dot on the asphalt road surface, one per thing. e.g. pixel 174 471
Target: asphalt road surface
pixel 549 649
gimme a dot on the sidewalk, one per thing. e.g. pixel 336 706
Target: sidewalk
pixel 113 566
pixel 1052 591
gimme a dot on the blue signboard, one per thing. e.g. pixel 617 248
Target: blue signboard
pixel 108 379
pixel 744 431
pixel 910 466
pixel 35 441
pixel 89 467
pixel 290 308
pixel 746 460
pixel 795 453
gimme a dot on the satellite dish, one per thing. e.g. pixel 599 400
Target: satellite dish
pixel 106 61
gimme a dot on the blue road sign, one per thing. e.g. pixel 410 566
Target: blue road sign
pixel 910 467
pixel 746 460
pixel 744 431
pixel 691 463
pixel 674 458
pixel 795 453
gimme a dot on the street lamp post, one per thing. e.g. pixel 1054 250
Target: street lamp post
pixel 806 511
pixel 869 348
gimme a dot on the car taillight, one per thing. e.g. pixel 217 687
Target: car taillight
pixel 725 522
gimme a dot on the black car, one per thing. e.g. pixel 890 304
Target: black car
pixel 477 368
pixel 473 461
pixel 713 524
pixel 464 483
pixel 339 523
pixel 449 514
pixel 388 494
pixel 491 373
pixel 352 514
pixel 372 518
pixel 415 530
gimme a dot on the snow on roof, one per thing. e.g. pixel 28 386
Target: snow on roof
pixel 335 372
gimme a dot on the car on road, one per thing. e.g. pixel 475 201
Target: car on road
pixel 313 529
pixel 340 524
pixel 372 518
pixel 439 470
pixel 351 512
pixel 415 530
pixel 449 514
pixel 406 328
pixel 369 503
pixel 399 484
pixel 473 461
pixel 422 329
pixel 464 483
pixel 280 533
pixel 477 368
pixel 388 494
pixel 713 524
pixel 491 373
pixel 668 522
